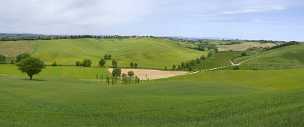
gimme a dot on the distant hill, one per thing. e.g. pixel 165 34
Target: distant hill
pixel 147 52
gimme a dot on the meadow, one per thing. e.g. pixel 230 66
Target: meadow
pixel 147 52
pixel 204 99
pixel 72 96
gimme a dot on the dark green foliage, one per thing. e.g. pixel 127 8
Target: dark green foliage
pixel 22 56
pixel 78 63
pixel 116 72
pixel 107 57
pixel 30 66
pixel 191 65
pixel 87 63
pixel 114 64
pixel 133 65
pixel 244 54
pixel 102 62
pixel 174 67
pixel 2 59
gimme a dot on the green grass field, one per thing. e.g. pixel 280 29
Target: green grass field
pixel 71 96
pixel 147 52
pixel 222 98
pixel 281 58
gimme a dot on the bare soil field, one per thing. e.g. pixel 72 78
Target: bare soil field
pixel 148 74
pixel 13 48
pixel 244 46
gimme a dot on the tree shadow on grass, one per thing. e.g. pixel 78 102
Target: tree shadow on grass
pixel 35 80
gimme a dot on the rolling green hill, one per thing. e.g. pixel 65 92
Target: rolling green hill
pixel 147 52
pixel 281 58
pixel 221 98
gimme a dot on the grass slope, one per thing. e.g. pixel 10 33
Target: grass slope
pixel 285 57
pixel 147 52
pixel 223 98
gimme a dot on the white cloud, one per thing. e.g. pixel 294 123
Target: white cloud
pixel 255 10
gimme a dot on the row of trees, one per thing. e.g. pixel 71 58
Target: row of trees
pixel 189 65
pixel 18 37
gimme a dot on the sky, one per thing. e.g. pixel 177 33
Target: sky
pixel 237 19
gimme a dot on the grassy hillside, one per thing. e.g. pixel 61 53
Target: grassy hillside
pixel 285 57
pixel 220 59
pixel 147 52
pixel 217 99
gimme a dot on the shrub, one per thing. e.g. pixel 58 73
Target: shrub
pixel 2 59
pixel 114 64
pixel 86 63
pixel 102 62
pixel 116 72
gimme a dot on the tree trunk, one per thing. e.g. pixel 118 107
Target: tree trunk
pixel 31 77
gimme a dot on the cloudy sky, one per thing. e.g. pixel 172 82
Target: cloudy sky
pixel 244 19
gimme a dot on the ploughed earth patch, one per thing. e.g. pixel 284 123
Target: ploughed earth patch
pixel 149 74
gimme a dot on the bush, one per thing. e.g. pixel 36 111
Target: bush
pixel 86 63
pixel 102 62
pixel 116 72
pixel 114 64
pixel 107 57
pixel 2 59
pixel 30 66
pixel 78 63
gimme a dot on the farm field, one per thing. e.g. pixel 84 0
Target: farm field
pixel 205 99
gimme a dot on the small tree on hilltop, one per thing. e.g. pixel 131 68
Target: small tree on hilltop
pixel 22 56
pixel 102 62
pixel 31 66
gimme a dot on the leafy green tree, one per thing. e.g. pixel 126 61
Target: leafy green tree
pixel 102 62
pixel 116 72
pixel 174 67
pixel 31 66
pixel 135 65
pixel 2 59
pixel 22 56
pixel 87 63
pixel 78 63
pixel 131 64
pixel 114 64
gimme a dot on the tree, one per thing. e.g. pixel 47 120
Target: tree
pixel 174 67
pixel 2 59
pixel 107 56
pixel 130 73
pixel 114 64
pixel 135 65
pixel 131 64
pixel 116 72
pixel 31 66
pixel 87 63
pixel 78 63
pixel 22 56
pixel 102 62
